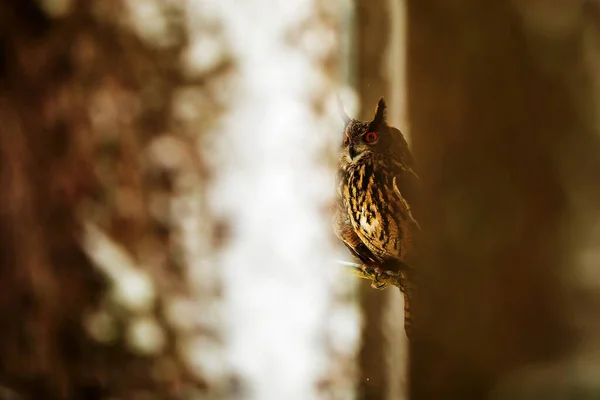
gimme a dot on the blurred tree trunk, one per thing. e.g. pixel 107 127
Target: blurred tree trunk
pixel 110 285
pixel 378 57
pixel 51 68
pixel 503 106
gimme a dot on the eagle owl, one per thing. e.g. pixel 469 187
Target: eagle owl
pixel 376 190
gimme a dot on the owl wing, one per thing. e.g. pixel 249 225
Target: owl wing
pixel 344 230
pixel 406 189
pixel 406 182
pixel 385 225
pixel 394 194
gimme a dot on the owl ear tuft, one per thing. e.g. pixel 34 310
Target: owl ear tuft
pixel 342 111
pixel 380 112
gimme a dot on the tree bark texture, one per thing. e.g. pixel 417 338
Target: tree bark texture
pixel 383 350
pixel 503 107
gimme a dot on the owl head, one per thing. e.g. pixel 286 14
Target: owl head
pixel 370 137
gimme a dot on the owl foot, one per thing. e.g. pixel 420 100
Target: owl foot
pixel 382 278
pixel 378 284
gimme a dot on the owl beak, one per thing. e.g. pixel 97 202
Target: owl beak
pixel 351 152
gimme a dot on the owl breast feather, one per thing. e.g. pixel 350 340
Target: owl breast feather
pixel 373 210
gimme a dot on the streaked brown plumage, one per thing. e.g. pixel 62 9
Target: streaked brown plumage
pixel 377 186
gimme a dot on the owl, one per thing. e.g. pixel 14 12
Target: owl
pixel 377 188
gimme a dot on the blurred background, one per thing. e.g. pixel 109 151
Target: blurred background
pixel 167 169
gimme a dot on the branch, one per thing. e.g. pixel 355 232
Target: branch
pixel 364 272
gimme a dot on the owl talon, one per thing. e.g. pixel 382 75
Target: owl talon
pixel 379 285
pixel 379 279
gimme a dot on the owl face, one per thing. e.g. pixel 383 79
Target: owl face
pixel 364 137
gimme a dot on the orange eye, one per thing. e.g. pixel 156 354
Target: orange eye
pixel 371 137
pixel 346 139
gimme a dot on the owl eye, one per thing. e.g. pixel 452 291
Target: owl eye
pixel 371 137
pixel 346 139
